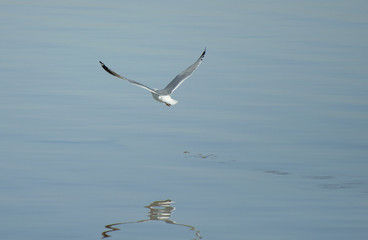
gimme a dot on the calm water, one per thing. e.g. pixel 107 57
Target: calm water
pixel 268 140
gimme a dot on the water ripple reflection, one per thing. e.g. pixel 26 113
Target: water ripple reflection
pixel 158 211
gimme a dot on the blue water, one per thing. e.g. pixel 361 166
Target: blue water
pixel 268 140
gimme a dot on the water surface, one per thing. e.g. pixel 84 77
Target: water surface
pixel 268 140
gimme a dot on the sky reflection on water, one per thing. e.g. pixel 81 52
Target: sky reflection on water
pixel 268 140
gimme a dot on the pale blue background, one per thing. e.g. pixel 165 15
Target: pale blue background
pixel 274 120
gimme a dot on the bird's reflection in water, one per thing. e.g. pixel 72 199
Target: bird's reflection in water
pixel 158 211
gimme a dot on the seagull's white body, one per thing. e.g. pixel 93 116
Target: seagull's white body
pixel 165 99
pixel 163 95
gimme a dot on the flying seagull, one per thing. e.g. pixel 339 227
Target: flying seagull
pixel 163 95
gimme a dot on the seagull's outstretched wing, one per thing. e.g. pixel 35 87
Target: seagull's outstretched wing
pixel 179 79
pixel 124 78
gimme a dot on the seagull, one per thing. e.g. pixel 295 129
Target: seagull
pixel 163 95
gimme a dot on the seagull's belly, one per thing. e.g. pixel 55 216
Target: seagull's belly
pixel 156 97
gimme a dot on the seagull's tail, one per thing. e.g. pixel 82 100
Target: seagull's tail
pixel 169 100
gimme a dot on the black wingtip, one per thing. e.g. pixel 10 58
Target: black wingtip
pixel 204 52
pixel 104 67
